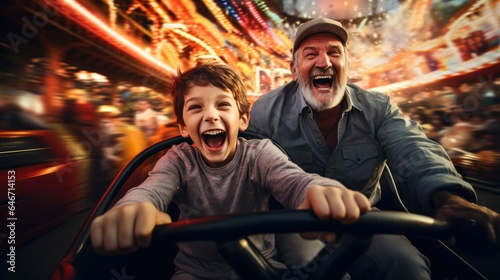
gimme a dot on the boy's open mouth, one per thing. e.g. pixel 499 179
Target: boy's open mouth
pixel 323 81
pixel 214 138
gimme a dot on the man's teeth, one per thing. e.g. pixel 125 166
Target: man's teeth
pixel 322 77
pixel 214 132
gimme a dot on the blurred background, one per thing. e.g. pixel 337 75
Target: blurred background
pixel 85 85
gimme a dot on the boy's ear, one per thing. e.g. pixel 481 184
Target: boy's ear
pixel 183 131
pixel 244 120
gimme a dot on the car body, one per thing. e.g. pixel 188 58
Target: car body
pixel 44 181
pixel 156 261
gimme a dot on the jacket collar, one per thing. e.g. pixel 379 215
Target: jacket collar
pixel 352 101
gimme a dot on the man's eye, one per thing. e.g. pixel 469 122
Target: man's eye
pixel 309 55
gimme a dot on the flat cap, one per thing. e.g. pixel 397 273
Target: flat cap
pixel 319 25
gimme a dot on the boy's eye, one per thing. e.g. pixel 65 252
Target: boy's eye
pixel 193 107
pixel 223 104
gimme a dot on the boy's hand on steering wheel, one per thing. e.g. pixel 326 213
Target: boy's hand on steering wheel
pixel 125 228
pixel 451 208
pixel 329 202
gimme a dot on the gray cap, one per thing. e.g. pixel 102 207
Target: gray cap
pixel 319 25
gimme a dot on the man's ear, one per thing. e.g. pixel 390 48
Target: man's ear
pixel 292 70
pixel 183 131
pixel 244 120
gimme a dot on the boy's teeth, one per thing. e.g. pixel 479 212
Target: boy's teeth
pixel 213 132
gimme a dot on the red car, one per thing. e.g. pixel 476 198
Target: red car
pixel 41 178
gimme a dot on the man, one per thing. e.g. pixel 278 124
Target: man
pixel 341 131
pixel 145 117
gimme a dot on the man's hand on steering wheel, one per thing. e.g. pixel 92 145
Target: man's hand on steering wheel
pixel 451 208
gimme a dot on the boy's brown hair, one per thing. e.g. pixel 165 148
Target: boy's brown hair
pixel 209 74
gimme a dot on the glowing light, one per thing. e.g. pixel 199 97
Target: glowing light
pixel 261 4
pixel 97 23
pixel 362 24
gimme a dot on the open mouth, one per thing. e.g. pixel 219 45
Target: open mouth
pixel 323 82
pixel 214 138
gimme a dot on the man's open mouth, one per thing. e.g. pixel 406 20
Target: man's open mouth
pixel 323 81
pixel 214 138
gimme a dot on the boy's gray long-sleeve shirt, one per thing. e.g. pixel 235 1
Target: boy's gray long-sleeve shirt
pixel 244 185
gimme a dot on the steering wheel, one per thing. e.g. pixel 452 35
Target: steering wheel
pixel 230 233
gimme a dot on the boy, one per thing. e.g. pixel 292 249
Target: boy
pixel 219 174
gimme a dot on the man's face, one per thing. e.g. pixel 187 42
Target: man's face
pixel 212 120
pixel 320 67
pixel 142 105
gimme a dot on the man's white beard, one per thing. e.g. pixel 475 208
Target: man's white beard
pixel 335 97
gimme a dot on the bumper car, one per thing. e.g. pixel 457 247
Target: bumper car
pixel 230 233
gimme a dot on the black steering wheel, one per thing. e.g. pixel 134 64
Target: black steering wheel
pixel 230 234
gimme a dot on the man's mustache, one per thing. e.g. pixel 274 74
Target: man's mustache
pixel 323 72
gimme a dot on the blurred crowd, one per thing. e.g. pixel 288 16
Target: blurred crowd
pixel 462 118
pixel 107 129
pixel 125 124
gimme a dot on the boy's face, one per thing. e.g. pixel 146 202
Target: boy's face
pixel 212 120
